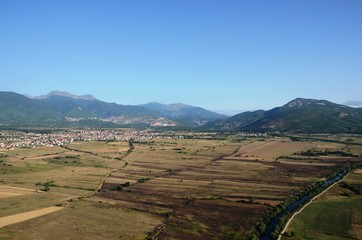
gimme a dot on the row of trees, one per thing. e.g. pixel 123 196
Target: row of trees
pixel 356 188
pixel 327 152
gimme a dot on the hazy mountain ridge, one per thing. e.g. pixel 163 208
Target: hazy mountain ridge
pixel 62 94
pixel 354 104
pixel 236 122
pixel 183 112
pixel 78 107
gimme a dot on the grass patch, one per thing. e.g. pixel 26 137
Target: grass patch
pixel 334 216
pixel 330 217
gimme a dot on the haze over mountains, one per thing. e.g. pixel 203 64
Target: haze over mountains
pixel 183 112
pixel 355 104
pixel 63 94
pixel 65 109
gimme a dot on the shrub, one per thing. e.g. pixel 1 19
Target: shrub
pixel 126 184
pixel 118 188
pixel 143 180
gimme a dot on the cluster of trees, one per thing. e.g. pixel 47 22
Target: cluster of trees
pixel 46 185
pixel 120 187
pixel 356 188
pixel 348 141
pixel 296 158
pixel 278 216
pixel 327 152
pixel 2 156
pixel 72 159
pixel 313 154
pixel 131 148
pixel 143 180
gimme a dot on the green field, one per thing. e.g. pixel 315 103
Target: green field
pixel 333 216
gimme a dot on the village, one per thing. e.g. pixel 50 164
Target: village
pixel 16 139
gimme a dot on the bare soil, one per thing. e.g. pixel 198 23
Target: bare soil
pixel 9 191
pixel 16 218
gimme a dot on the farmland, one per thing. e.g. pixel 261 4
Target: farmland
pixel 205 187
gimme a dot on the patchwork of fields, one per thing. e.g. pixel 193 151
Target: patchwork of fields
pixel 158 189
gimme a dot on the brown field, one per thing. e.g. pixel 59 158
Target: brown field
pixel 270 150
pixel 191 181
pixel 166 188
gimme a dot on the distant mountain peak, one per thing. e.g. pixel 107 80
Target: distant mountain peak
pixel 304 102
pixel 65 94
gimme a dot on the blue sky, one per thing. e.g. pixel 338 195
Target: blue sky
pixel 212 53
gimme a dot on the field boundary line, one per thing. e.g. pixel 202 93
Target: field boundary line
pixel 300 210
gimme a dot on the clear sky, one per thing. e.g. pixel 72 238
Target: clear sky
pixel 217 54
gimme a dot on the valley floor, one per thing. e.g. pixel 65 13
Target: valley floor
pixel 208 187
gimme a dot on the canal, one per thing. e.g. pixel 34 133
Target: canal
pixel 293 207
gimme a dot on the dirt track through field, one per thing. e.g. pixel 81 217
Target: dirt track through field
pixel 16 218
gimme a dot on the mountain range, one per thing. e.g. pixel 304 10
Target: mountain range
pixel 62 108
pixel 65 109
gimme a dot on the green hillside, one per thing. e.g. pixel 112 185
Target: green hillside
pixel 310 116
pixel 54 110
pixel 298 116
pixel 19 110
